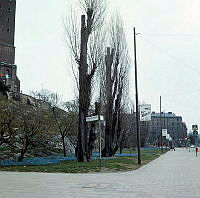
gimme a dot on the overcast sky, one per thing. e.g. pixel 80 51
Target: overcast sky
pixel 168 50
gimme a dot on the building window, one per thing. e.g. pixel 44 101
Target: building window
pixel 9 9
pixel 8 20
pixel 8 30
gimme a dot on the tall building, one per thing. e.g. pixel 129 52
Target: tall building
pixel 8 69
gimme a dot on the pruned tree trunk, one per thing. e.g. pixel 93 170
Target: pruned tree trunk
pixel 116 69
pixel 92 138
pixel 84 94
pixel 107 151
pixel 64 146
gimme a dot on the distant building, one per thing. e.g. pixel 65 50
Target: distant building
pixel 8 69
pixel 150 131
pixel 170 121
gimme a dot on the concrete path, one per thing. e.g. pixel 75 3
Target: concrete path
pixel 176 174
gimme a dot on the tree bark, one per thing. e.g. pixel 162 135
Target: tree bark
pixel 64 148
pixel 107 151
pixel 23 151
pixel 84 95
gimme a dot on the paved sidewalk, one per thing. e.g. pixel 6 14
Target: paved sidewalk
pixel 176 174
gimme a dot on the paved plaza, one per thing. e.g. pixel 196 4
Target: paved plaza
pixel 175 174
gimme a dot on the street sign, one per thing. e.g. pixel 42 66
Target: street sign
pixel 164 132
pixel 97 118
pixel 145 112
pixel 167 136
pixel 94 118
pixel 195 127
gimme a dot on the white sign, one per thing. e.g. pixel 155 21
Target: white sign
pixel 164 132
pixel 167 137
pixel 7 76
pixel 145 112
pixel 94 118
pixel 195 127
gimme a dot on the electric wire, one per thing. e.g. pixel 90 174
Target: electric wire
pixel 170 55
pixel 177 60
pixel 171 35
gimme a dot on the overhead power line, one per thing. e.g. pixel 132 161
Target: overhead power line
pixel 171 56
pixel 182 93
pixel 171 35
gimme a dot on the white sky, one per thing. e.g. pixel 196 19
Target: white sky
pixel 168 50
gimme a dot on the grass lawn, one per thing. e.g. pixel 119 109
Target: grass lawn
pixel 109 165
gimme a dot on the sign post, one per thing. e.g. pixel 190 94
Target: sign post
pixel 92 119
pixel 195 133
pixel 194 127
pixel 164 132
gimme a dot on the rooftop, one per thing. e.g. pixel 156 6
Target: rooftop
pixel 163 114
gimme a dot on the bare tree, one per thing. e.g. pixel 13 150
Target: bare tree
pixel 86 50
pixel 116 85
pixel 64 115
pixel 66 122
pixel 32 122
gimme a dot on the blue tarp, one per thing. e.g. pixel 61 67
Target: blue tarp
pixel 58 159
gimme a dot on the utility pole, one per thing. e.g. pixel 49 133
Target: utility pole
pixel 100 164
pixel 161 137
pixel 99 141
pixel 136 100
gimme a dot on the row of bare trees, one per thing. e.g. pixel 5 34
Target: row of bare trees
pixel 96 65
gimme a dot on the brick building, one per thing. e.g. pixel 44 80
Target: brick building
pixel 8 69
